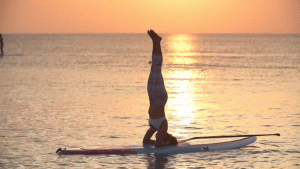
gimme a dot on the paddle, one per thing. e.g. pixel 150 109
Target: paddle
pixel 208 137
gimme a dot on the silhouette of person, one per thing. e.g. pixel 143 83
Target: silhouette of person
pixel 158 97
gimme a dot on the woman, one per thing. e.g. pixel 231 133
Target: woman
pixel 158 98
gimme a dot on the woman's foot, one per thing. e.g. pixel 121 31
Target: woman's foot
pixel 154 36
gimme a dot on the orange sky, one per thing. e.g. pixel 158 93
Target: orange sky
pixel 136 16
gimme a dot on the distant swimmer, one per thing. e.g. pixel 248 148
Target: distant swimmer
pixel 1 44
pixel 158 97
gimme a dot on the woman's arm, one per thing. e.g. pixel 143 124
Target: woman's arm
pixel 148 135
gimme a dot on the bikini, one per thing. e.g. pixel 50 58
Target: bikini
pixel 156 89
pixel 155 123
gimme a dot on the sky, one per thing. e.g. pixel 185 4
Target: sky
pixel 137 16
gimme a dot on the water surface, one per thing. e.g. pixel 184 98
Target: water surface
pixel 89 91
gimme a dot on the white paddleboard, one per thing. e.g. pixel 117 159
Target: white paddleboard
pixel 150 149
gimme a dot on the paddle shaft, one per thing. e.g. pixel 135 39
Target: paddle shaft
pixel 208 137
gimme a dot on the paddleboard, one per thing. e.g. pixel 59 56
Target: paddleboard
pixel 184 147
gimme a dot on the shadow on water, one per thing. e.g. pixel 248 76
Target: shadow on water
pixel 157 161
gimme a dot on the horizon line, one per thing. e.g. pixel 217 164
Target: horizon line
pixel 146 33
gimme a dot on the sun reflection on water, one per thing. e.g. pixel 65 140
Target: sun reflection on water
pixel 183 83
pixel 181 45
pixel 182 98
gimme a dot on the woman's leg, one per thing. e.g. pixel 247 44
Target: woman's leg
pixel 156 88
pixel 156 42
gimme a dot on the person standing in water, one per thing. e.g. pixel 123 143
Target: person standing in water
pixel 158 97
pixel 1 45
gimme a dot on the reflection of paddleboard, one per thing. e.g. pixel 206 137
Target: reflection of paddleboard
pixel 19 54
pixel 149 149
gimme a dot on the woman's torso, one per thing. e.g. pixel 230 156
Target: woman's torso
pixel 156 111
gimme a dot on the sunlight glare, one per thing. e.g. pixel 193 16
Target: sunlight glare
pixel 182 98
pixel 186 79
pixel 181 45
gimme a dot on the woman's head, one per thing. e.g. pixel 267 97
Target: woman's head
pixel 171 139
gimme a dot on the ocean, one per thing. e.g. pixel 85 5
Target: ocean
pixel 89 91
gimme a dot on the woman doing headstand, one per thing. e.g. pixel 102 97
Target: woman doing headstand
pixel 158 97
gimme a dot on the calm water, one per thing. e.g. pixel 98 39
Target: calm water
pixel 89 91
